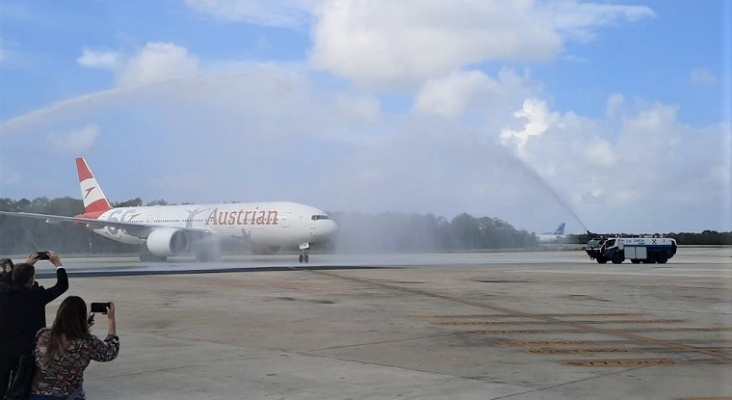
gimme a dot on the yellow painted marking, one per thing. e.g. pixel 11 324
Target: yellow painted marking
pixel 620 363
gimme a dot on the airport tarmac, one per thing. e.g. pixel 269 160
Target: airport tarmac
pixel 539 325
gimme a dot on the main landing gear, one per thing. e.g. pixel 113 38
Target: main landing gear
pixel 304 249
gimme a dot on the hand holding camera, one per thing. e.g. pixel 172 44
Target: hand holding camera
pixel 44 255
pixel 100 307
pixel 108 309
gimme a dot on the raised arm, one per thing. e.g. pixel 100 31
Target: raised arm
pixel 107 349
pixel 62 280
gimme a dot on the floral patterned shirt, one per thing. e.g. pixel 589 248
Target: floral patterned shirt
pixel 65 372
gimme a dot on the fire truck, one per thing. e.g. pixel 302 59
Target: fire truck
pixel 647 250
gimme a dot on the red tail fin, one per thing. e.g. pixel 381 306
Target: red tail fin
pixel 91 193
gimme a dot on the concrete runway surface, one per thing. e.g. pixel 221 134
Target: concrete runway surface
pixel 544 325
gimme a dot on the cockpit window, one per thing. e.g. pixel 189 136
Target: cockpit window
pixel 319 217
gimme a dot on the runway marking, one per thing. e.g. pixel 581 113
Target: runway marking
pixel 632 314
pixel 630 321
pixel 473 323
pixel 666 350
pixel 510 331
pixel 637 321
pixel 553 320
pixel 599 350
pixel 621 363
pixel 576 351
pixel 541 343
pixel 683 329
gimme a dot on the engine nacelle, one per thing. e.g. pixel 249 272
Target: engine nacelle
pixel 167 242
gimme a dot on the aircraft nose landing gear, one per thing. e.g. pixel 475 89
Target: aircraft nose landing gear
pixel 304 253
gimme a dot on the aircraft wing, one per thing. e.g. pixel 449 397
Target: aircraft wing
pixel 136 229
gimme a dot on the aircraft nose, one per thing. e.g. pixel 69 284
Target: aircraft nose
pixel 327 228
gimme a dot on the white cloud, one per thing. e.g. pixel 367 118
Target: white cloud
pixel 460 91
pixel 538 119
pixel 577 20
pixel 73 142
pixel 270 131
pixel 397 43
pixel 702 76
pixel 98 58
pixel 291 13
pixel 646 169
pixel 157 62
pixel 601 153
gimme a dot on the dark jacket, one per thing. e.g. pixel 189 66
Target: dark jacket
pixel 6 278
pixel 23 311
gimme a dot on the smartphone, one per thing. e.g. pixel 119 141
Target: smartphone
pixel 43 255
pixel 99 307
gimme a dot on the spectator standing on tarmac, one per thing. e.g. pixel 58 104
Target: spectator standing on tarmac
pixel 65 351
pixel 23 311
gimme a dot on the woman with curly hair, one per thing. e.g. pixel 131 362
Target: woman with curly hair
pixel 63 352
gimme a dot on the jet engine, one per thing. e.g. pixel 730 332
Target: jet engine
pixel 167 242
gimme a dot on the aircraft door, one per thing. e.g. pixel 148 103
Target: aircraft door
pixel 285 220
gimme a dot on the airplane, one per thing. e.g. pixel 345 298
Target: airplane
pixel 171 230
pixel 552 237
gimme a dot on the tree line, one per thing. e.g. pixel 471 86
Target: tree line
pixel 357 232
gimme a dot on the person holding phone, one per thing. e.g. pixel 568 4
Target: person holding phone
pixel 23 310
pixel 63 352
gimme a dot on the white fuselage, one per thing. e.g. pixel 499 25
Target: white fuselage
pixel 268 224
pixel 547 238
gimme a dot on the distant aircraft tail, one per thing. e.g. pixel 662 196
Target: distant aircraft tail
pixel 560 230
pixel 94 199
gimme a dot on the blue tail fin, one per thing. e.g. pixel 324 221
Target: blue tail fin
pixel 560 230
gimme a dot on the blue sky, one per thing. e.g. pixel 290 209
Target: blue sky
pixel 319 102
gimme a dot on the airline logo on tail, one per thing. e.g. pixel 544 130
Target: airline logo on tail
pixel 94 200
